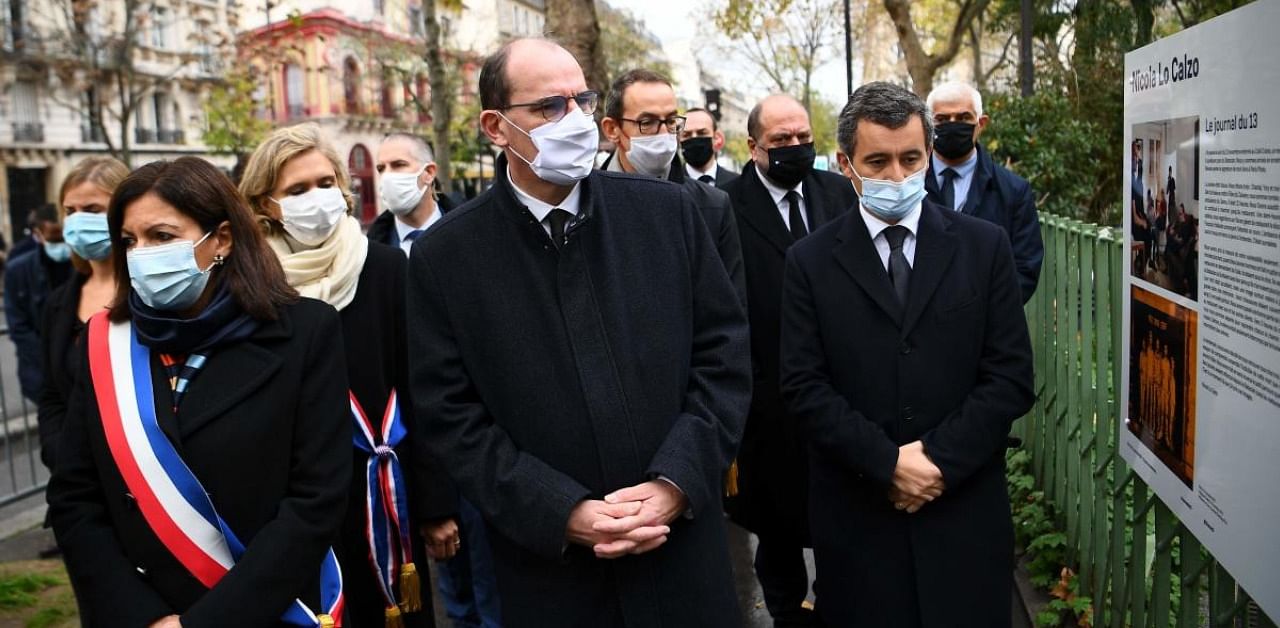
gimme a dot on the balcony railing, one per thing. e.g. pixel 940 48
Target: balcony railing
pixel 296 111
pixel 93 134
pixel 144 136
pixel 28 132
pixel 171 136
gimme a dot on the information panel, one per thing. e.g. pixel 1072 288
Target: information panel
pixel 1201 399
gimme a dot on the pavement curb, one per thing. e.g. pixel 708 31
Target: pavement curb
pixel 22 522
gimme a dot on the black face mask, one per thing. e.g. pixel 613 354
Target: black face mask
pixel 697 151
pixel 954 140
pixel 788 165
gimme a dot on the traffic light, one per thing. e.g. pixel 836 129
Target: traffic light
pixel 713 103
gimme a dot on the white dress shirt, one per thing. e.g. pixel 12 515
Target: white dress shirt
pixel 541 210
pixel 780 200
pixel 403 229
pixel 697 175
pixel 876 228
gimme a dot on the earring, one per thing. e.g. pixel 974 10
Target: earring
pixel 218 260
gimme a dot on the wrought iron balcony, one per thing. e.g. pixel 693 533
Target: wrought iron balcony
pixel 93 134
pixel 171 136
pixel 28 132
pixel 144 136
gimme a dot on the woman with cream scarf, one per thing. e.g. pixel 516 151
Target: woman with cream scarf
pixel 299 190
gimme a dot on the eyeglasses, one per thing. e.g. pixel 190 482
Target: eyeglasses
pixel 649 126
pixel 553 108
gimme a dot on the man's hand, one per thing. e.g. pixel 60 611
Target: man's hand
pixel 441 538
pixel 595 523
pixel 170 621
pixel 916 480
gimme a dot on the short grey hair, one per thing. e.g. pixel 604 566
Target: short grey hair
pixel 956 90
pixel 420 147
pixel 885 104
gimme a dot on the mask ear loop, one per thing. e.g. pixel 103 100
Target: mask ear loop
pixel 517 127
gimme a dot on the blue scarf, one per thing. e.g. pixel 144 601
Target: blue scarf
pixel 222 322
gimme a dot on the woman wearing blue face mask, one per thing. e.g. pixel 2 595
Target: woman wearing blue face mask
pixel 201 475
pixel 298 188
pixel 82 202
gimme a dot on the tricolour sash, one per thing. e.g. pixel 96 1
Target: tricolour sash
pixel 387 529
pixel 168 494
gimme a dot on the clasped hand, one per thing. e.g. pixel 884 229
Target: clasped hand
pixel 916 480
pixel 632 520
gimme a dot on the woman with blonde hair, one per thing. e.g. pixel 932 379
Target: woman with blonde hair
pixel 299 189
pixel 82 208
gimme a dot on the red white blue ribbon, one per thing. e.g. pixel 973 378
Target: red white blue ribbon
pixel 387 529
pixel 168 494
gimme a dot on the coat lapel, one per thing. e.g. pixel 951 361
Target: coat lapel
pixel 935 246
pixel 231 374
pixel 855 253
pixel 756 208
pixel 981 179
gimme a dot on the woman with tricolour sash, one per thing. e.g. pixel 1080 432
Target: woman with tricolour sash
pixel 202 471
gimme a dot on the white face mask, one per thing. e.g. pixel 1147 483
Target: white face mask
pixel 652 154
pixel 400 192
pixel 566 148
pixel 311 217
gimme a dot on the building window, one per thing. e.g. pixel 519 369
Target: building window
pixel 160 28
pixel 388 106
pixel 351 86
pixel 424 99
pixel 415 20
pixel 14 19
pixel 360 165
pixel 26 112
pixel 91 120
pixel 294 91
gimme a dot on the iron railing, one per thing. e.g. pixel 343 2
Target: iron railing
pixel 1141 567
pixel 20 449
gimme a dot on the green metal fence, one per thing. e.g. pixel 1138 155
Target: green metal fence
pixel 1133 557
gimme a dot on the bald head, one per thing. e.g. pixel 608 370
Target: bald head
pixel 520 63
pixel 771 108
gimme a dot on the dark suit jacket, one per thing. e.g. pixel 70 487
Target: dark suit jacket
pixel 864 375
pixel 1006 199
pixel 724 176
pixel 717 211
pixel 383 228
pixel 62 329
pixel 266 427
pixel 28 280
pixel 547 376
pixel 373 334
pixel 771 462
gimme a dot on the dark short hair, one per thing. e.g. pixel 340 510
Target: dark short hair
pixel 203 193
pixel 885 104
pixel 613 106
pixel 715 124
pixel 494 88
pixel 48 212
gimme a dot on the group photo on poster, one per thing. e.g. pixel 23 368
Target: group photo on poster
pixel 1164 204
pixel 1162 380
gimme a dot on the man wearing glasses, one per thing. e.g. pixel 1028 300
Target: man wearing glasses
pixel 640 119
pixel 580 366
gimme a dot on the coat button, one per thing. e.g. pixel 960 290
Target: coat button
pixel 142 571
pixel 907 414
pixel 905 349
pixel 130 501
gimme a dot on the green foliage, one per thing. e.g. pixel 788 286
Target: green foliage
pixel 822 119
pixel 18 591
pixel 627 45
pixel 48 617
pixel 1066 155
pixel 233 126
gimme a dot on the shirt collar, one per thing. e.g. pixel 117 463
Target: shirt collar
pixel 874 225
pixel 776 192
pixel 963 170
pixel 698 174
pixel 404 229
pixel 540 209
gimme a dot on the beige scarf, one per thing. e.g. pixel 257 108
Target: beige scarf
pixel 329 272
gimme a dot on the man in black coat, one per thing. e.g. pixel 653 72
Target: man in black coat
pixel 700 144
pixel 771 487
pixel 28 280
pixel 905 359
pixel 639 104
pixel 581 367
pixel 963 177
pixel 410 208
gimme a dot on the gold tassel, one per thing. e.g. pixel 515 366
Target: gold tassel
pixel 394 620
pixel 410 589
pixel 731 480
pixel 325 621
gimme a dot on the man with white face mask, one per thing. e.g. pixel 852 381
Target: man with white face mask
pixel 579 360
pixel 407 169
pixel 640 119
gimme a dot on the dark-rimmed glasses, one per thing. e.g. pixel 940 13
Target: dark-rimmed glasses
pixel 553 108
pixel 649 126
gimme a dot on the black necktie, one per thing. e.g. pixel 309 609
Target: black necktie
pixel 707 179
pixel 899 269
pixel 798 229
pixel 949 188
pixel 558 218
pixel 413 236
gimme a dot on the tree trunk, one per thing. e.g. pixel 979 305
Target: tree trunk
pixel 574 24
pixel 921 64
pixel 442 94
pixel 1144 18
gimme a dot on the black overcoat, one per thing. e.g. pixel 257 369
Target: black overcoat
pixel 771 462
pixel 999 196
pixel 266 428
pixel 62 328
pixel 373 335
pixel 548 376
pixel 863 376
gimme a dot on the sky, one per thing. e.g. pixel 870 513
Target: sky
pixel 674 20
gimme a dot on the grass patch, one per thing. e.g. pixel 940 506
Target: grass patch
pixel 36 594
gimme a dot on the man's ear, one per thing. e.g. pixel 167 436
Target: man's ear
pixel 494 128
pixel 982 125
pixel 613 131
pixel 717 141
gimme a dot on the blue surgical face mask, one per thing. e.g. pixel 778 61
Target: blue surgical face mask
pixel 87 235
pixel 57 251
pixel 891 201
pixel 166 277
